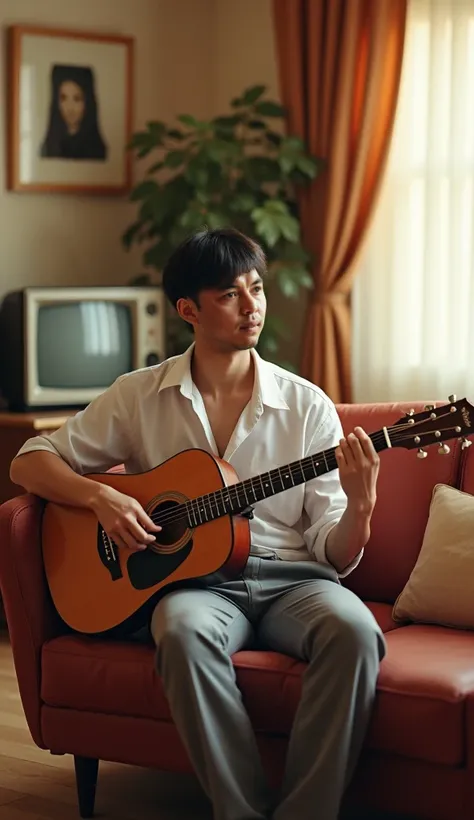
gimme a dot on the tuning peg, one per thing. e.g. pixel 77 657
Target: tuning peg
pixel 429 407
pixel 452 398
pixel 421 453
pixel 465 443
pixel 444 450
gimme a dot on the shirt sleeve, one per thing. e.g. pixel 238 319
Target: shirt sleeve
pixel 93 440
pixel 325 500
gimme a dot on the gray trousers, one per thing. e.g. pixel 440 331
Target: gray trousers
pixel 300 609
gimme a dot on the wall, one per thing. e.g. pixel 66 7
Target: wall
pixel 190 56
pixel 59 239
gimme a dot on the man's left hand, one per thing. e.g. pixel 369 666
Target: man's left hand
pixel 358 463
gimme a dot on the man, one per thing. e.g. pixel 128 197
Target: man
pixel 221 396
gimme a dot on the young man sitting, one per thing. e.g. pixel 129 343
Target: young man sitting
pixel 221 396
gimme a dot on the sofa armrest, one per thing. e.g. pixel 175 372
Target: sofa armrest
pixel 30 614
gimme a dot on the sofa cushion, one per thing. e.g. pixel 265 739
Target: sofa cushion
pixel 439 589
pixel 424 681
pixel 418 712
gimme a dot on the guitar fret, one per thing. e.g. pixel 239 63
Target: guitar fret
pixel 236 493
pixel 192 513
pixel 255 496
pixel 196 513
pixel 281 478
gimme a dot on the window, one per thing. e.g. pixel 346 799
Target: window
pixel 413 308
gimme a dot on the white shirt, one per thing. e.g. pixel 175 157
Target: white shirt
pixel 149 415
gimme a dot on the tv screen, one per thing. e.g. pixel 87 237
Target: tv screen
pixel 83 344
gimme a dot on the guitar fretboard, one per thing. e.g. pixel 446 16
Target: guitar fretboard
pixel 238 497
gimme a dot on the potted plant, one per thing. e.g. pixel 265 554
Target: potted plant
pixel 236 170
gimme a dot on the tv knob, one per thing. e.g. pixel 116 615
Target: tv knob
pixel 152 359
pixel 151 308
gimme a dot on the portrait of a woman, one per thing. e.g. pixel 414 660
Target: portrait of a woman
pixel 73 129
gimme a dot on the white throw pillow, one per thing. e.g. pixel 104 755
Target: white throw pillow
pixel 440 589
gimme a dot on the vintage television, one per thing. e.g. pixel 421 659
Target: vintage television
pixel 63 346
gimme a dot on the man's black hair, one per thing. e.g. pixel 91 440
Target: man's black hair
pixel 210 259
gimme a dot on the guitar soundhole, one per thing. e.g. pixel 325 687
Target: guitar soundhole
pixel 173 545
pixel 174 531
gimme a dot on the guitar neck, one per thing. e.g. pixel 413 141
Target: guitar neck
pixel 236 498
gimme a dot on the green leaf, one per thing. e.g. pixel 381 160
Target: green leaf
pixel 140 139
pixel 263 169
pixel 227 122
pixel 287 284
pixel 187 119
pixel 253 94
pixel 215 220
pixel 144 190
pixel 157 130
pixel 243 202
pixel 303 278
pixel 176 134
pixel 256 124
pixel 236 102
pixel 270 109
pixel 308 166
pixel 274 138
pixel 266 226
pixel 293 253
pixel 129 235
pixel 157 255
pixel 286 164
pixel 175 158
pixel 157 166
pixel 290 228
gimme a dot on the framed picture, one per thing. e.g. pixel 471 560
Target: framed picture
pixel 70 111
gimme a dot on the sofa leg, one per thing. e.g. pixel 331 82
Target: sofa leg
pixel 86 781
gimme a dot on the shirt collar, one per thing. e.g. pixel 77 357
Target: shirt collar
pixel 179 375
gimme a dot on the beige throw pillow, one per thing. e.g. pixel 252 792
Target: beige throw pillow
pixel 440 589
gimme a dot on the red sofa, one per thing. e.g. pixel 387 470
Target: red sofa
pixel 98 699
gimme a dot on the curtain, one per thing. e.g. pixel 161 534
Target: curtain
pixel 340 64
pixel 413 303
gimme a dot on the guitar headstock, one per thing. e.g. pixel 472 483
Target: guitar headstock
pixel 434 425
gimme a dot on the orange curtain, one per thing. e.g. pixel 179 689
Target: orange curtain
pixel 340 65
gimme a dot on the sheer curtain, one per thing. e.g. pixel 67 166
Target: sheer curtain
pixel 413 298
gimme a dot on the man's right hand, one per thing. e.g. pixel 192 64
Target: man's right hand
pixel 123 519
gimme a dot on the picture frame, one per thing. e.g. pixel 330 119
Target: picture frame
pixel 70 111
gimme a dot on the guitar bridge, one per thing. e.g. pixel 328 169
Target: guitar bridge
pixel 108 554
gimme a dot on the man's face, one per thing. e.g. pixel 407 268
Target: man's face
pixel 229 319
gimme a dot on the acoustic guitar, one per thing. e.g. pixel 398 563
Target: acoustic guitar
pixel 204 510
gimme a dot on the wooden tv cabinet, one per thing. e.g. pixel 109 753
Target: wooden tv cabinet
pixel 15 429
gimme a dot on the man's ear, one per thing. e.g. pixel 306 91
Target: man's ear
pixel 188 310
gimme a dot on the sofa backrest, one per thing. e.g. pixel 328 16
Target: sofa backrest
pixel 404 493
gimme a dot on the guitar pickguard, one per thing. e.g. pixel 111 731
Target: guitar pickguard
pixel 147 568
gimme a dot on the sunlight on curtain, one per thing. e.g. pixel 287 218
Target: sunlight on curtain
pixel 413 306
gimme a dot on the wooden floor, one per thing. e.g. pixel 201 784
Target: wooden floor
pixel 35 785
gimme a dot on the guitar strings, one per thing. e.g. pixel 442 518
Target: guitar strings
pixel 181 511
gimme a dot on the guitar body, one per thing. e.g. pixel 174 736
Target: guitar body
pixel 98 587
